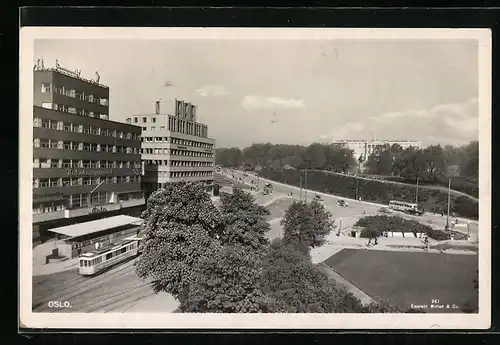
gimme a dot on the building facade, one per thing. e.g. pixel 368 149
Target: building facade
pixel 367 147
pixel 175 147
pixel 84 166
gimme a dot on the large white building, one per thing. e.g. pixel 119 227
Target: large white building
pixel 367 147
pixel 175 147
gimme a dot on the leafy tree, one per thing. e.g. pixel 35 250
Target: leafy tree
pixel 181 225
pixel 227 281
pixel 434 161
pixel 244 220
pixel 306 225
pixel 294 285
pixel 471 165
pixel 232 157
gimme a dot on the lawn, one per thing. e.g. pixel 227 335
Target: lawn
pixel 410 277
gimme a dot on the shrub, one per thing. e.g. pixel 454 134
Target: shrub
pixel 373 226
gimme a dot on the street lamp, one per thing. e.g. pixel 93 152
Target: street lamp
pixel 340 226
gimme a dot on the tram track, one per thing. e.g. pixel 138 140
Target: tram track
pixel 68 290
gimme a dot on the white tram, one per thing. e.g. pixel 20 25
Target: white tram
pixel 95 261
pixel 406 207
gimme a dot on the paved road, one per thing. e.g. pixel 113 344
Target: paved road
pixel 356 207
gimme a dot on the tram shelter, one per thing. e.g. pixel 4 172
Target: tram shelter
pixel 76 239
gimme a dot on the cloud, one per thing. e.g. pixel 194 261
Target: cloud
pixel 212 91
pixel 347 131
pixel 454 123
pixel 258 102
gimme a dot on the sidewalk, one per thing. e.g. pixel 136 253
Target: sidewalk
pixel 56 267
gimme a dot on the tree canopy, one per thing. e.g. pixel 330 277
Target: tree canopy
pixel 305 225
pixel 181 224
pixel 315 156
pixel 244 220
pixel 227 282
pixel 295 285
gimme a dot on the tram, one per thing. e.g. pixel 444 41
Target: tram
pixel 406 207
pixel 95 261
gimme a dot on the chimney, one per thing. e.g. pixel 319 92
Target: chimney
pixel 157 107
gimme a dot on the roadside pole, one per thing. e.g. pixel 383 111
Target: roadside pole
pixel 305 185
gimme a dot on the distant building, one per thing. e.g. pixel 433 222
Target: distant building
pixel 175 147
pixel 367 147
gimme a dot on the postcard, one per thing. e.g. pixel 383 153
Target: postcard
pixel 255 178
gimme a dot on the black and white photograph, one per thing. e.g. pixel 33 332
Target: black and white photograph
pixel 305 178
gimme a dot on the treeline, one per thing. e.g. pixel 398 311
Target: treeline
pixel 218 259
pixel 433 165
pixel 375 191
pixel 315 156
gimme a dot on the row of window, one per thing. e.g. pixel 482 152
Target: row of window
pixel 71 127
pixel 76 163
pixel 177 142
pixel 79 146
pixel 73 110
pixel 176 153
pixel 83 200
pixel 178 174
pixel 109 238
pixel 62 90
pixel 82 181
pixel 176 163
pixel 191 164
pixel 176 124
pixel 163 151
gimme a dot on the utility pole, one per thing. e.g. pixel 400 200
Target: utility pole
pixel 448 213
pixel 300 187
pixel 416 197
pixel 305 185
pixel 357 181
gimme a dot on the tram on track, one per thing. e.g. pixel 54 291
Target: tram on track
pixel 407 207
pixel 95 261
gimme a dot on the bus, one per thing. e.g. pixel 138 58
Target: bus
pixel 95 261
pixel 406 207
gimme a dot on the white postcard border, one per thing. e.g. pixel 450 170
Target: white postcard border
pixel 29 319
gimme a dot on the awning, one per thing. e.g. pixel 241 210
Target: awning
pixel 95 226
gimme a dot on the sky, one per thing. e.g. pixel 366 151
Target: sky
pixel 290 91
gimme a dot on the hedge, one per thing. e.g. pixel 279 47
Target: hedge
pixel 375 191
pixel 379 223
